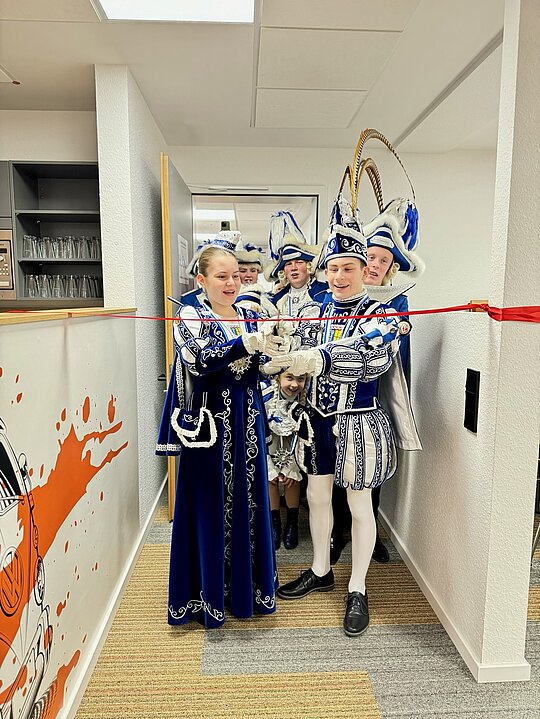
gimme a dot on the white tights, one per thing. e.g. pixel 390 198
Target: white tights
pixel 363 531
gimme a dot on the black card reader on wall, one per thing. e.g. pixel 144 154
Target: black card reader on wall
pixel 472 392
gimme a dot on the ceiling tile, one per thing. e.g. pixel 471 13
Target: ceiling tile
pixel 318 59
pixel 59 10
pixel 449 128
pixel 307 108
pixel 339 14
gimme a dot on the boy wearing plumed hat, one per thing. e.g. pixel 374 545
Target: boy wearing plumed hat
pixel 354 443
pixel 293 266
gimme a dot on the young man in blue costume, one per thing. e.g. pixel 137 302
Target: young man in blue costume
pixel 386 256
pixel 353 443
pixel 222 552
pixel 293 266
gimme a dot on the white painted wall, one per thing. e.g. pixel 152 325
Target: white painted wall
pixel 454 193
pixel 48 135
pixel 129 146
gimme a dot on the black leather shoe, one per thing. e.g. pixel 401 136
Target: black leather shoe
pixel 290 533
pixel 276 528
pixel 380 553
pixel 356 618
pixel 336 547
pixel 306 583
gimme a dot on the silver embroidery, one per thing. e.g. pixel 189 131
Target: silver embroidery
pixel 227 470
pixel 268 602
pixel 239 366
pixel 196 605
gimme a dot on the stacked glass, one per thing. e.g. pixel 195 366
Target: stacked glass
pixel 61 248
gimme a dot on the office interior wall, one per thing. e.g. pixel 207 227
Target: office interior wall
pixel 129 146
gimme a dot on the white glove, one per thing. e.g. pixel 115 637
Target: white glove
pixel 275 345
pixel 301 362
pixel 265 343
pixel 286 326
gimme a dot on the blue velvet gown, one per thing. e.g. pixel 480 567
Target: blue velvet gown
pixel 222 553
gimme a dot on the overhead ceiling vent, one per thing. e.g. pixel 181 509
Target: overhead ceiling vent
pixel 5 76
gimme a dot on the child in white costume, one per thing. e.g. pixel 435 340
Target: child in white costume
pixel 285 400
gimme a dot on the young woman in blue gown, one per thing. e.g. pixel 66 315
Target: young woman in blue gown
pixel 222 553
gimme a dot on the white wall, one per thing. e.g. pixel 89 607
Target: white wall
pixel 454 194
pixel 48 135
pixel 129 146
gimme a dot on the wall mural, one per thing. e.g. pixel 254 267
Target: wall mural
pixel 54 548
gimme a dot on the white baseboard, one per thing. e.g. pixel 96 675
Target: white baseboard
pixel 71 702
pixel 482 673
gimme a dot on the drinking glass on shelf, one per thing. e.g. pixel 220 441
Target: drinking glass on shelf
pixel 85 291
pixel 40 248
pixel 57 287
pixel 72 289
pixel 56 246
pixel 69 247
pixel 44 287
pixel 96 248
pixel 31 286
pixel 28 246
pixel 46 247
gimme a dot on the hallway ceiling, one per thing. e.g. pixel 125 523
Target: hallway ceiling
pixel 307 73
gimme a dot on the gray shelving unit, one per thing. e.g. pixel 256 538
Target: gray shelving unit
pixel 53 199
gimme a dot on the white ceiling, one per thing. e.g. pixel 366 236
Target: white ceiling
pixel 308 73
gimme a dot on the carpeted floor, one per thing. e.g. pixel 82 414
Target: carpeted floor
pixel 297 662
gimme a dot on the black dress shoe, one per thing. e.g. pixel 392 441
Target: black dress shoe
pixel 356 618
pixel 306 583
pixel 380 553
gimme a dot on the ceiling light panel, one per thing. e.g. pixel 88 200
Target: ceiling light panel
pixel 307 108
pixel 338 14
pixel 317 59
pixel 232 11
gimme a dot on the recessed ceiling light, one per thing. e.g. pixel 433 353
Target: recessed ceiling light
pixel 236 11
pixel 213 215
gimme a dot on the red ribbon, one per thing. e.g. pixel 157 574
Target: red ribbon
pixel 525 313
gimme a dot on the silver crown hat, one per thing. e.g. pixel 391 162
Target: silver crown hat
pixel 225 239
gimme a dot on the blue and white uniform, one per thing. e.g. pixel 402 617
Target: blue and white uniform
pixel 353 435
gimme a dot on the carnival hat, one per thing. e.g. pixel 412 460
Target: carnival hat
pixel 250 254
pixel 291 250
pixel 285 243
pixel 226 240
pixel 396 229
pixel 345 238
pixel 344 241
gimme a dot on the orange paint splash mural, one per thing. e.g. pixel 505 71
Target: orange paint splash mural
pixel 33 522
pixel 52 700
